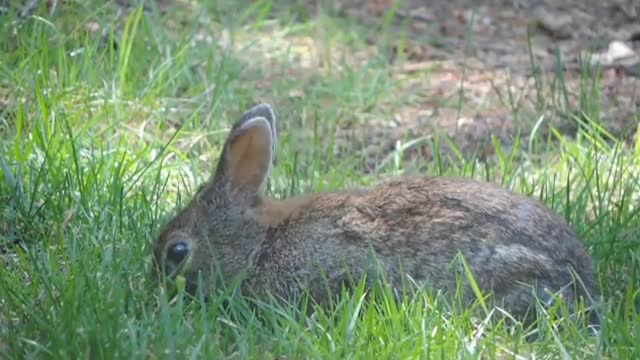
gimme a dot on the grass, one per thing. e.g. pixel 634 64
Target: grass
pixel 99 144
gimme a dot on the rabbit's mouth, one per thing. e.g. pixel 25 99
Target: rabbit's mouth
pixel 178 281
pixel 175 276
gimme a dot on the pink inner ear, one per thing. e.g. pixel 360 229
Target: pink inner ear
pixel 249 157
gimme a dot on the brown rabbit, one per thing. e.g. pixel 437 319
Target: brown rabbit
pixel 515 247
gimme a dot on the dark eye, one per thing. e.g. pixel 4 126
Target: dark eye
pixel 177 252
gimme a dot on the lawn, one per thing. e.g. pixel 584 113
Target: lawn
pixel 111 117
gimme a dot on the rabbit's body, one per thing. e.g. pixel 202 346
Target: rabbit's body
pixel 417 226
pixel 514 246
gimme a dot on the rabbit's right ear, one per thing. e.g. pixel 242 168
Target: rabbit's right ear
pixel 248 152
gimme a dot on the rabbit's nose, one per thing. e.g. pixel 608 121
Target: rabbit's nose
pixel 177 252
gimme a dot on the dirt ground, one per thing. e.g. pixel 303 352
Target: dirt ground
pixel 493 66
pixel 500 60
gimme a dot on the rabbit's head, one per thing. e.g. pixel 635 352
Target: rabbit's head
pixel 217 231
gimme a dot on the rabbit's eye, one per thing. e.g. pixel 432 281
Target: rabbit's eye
pixel 177 252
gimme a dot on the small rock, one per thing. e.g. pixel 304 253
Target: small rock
pixel 559 25
pixel 618 56
pixel 619 50
pixel 616 51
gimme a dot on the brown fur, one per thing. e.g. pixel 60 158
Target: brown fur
pixel 411 226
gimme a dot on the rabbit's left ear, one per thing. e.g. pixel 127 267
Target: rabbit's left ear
pixel 248 154
pixel 263 110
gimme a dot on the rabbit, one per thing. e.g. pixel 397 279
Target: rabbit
pixel 409 227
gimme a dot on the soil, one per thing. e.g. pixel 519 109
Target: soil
pixel 494 69
pixel 485 51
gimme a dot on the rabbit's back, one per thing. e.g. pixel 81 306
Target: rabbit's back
pixel 417 226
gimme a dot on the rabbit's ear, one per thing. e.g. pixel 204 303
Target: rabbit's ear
pixel 247 157
pixel 263 110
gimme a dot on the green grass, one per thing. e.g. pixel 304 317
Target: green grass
pixel 98 145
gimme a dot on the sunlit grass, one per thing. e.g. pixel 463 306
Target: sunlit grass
pixel 99 144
